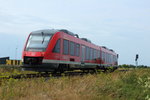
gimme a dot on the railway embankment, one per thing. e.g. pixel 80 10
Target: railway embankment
pixel 122 84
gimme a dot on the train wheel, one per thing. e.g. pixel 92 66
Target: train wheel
pixel 61 69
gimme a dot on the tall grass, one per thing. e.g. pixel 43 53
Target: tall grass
pixel 130 85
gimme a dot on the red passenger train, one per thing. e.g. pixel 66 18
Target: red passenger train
pixel 60 50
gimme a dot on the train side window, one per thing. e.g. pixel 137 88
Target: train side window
pixel 65 47
pixel 98 54
pixel 72 48
pixel 95 56
pixel 91 54
pixel 77 49
pixel 113 59
pixel 87 53
pixel 106 56
pixel 103 56
pixel 116 59
pixel 109 58
pixel 57 47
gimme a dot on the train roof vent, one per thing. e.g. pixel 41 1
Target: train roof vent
pixel 111 50
pixel 87 40
pixel 104 47
pixel 68 32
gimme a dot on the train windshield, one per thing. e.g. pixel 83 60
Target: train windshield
pixel 38 42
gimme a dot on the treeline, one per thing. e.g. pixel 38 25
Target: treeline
pixel 133 66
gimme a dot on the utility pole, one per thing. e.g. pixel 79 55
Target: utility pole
pixel 16 53
pixel 136 60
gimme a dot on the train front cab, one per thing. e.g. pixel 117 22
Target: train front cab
pixel 35 50
pixel 57 49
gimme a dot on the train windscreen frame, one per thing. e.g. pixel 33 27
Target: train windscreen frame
pixel 38 42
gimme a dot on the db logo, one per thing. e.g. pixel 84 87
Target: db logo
pixel 33 54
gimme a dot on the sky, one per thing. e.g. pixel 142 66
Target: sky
pixel 122 25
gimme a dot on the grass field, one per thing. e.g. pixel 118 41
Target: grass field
pixel 118 85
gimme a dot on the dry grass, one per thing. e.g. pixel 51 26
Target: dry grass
pixel 130 85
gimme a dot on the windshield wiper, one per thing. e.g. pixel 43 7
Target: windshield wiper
pixel 43 38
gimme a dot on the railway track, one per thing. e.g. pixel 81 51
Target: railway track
pixel 45 75
pixel 50 74
pixel 24 76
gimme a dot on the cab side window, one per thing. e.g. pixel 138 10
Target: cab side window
pixel 57 47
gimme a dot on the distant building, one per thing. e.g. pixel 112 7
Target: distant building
pixel 3 60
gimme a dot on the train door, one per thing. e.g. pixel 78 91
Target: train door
pixel 83 54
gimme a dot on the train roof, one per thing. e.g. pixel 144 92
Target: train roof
pixel 45 31
pixel 68 32
pixel 107 49
pixel 85 39
pixel 53 31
